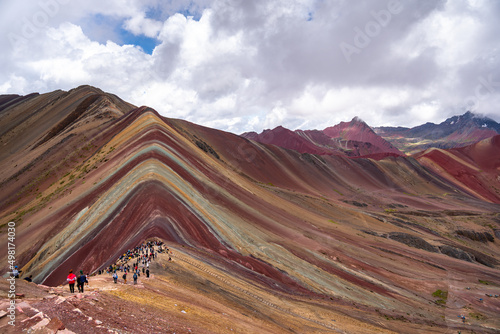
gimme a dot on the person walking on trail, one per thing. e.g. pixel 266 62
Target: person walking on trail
pixel 135 278
pixel 125 277
pixel 115 277
pixel 147 273
pixel 81 281
pixel 71 281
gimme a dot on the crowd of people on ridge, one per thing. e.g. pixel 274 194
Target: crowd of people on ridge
pixel 140 256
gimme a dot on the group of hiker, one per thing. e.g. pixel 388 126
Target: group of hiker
pixel 80 280
pixel 141 256
pixel 16 273
pixel 136 271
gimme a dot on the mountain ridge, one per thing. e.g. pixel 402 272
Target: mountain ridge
pixel 356 138
pixel 455 131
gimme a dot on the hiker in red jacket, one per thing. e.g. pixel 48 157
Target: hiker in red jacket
pixel 71 280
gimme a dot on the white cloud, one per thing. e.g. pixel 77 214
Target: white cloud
pixel 247 65
pixel 14 84
pixel 275 117
pixel 139 25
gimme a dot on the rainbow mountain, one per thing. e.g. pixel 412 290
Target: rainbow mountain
pixel 314 243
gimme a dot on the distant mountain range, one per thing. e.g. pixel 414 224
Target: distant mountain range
pixel 356 138
pixel 456 131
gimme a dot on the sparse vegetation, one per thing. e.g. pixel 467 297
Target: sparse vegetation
pixel 338 192
pixel 442 295
pixel 477 316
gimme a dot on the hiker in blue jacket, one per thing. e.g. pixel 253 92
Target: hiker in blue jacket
pixel 82 279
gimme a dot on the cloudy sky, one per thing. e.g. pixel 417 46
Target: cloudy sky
pixel 249 65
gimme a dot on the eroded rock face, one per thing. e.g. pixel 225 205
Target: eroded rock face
pixel 461 253
pixel 476 236
pixel 412 241
pixel 456 253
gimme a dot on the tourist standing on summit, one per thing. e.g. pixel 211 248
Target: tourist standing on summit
pixel 71 280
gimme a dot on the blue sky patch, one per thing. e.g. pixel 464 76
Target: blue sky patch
pixel 160 14
pixel 146 43
pixel 103 28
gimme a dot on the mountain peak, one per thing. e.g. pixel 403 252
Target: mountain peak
pixel 280 128
pixel 455 131
pixel 470 119
pixel 357 119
